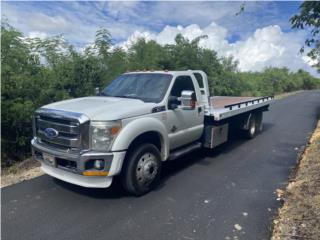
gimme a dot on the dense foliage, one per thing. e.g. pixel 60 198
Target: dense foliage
pixel 309 18
pixel 36 72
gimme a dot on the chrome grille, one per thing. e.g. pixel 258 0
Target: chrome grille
pixel 72 134
pixel 66 128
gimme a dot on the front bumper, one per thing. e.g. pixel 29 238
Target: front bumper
pixel 77 179
pixel 74 165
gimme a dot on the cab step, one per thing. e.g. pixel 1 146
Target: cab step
pixel 184 150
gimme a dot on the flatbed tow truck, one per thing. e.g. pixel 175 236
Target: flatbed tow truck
pixel 137 122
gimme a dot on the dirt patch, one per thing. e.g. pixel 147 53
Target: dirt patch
pixel 299 217
pixel 19 172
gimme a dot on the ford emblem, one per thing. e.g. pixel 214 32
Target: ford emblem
pixel 51 133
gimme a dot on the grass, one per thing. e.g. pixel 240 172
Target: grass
pixel 299 217
pixel 284 95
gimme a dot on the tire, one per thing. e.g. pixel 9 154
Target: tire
pixel 259 123
pixel 141 170
pixel 252 130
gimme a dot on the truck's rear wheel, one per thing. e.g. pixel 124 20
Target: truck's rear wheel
pixel 252 128
pixel 141 170
pixel 259 123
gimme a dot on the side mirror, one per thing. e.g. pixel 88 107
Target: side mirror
pixel 172 103
pixel 188 100
pixel 97 91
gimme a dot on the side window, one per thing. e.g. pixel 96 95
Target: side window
pixel 199 79
pixel 182 83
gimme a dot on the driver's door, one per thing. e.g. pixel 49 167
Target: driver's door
pixel 185 126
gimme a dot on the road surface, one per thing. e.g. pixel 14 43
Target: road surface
pixel 202 195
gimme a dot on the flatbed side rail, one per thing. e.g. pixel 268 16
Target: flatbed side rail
pixel 249 102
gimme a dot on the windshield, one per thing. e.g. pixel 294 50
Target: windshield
pixel 148 87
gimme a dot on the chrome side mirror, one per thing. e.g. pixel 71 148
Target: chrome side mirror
pixel 188 100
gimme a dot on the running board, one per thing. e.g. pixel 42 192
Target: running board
pixel 184 150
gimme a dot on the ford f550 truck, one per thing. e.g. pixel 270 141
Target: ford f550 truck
pixel 137 122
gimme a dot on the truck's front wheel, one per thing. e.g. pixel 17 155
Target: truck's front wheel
pixel 141 170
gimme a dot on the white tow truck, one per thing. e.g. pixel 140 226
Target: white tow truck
pixel 138 121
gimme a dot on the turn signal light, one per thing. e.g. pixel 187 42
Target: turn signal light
pixel 115 130
pixel 95 173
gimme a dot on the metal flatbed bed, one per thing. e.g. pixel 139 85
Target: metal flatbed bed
pixel 222 107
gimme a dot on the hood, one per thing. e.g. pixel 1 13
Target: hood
pixel 104 108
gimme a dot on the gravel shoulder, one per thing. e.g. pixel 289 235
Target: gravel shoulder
pixel 299 217
pixel 287 94
pixel 19 172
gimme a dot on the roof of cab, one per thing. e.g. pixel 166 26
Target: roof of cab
pixel 162 72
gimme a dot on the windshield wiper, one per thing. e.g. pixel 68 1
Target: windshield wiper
pixel 128 96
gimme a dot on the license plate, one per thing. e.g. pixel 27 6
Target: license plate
pixel 48 158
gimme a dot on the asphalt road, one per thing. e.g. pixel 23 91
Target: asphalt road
pixel 201 196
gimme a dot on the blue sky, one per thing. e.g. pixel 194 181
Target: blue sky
pixel 229 34
pixel 122 18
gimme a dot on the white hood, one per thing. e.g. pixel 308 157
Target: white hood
pixel 104 108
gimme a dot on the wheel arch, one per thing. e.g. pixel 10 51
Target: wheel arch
pixel 143 130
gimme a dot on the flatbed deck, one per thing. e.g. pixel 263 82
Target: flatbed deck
pixel 222 107
pixel 222 101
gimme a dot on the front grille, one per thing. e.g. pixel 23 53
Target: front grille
pixel 72 135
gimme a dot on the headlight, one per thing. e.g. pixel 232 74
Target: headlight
pixel 103 134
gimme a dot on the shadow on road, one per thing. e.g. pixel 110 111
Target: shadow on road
pixel 204 156
pixel 170 169
pixel 113 192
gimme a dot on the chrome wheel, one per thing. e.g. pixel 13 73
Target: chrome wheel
pixel 147 169
pixel 252 129
pixel 141 170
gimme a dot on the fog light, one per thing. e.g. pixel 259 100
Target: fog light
pixel 98 164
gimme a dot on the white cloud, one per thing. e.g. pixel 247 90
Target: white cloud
pixel 308 60
pixel 197 12
pixel 216 36
pixel 47 23
pixel 260 50
pixel 268 46
pixel 77 21
pixel 121 9
pixel 37 34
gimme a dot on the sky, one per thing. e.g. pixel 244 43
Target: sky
pixel 259 37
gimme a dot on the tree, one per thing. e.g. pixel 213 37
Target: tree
pixel 103 42
pixel 20 75
pixel 309 18
pixel 117 64
pixel 145 55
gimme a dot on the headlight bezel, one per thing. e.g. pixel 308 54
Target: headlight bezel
pixel 108 131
